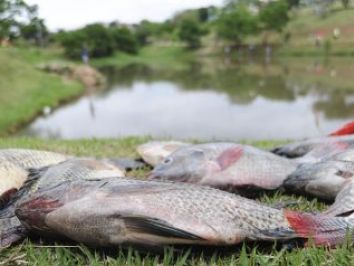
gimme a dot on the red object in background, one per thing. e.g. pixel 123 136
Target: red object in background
pixel 347 129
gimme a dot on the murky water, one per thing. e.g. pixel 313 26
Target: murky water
pixel 290 99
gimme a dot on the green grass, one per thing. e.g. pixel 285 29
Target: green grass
pixel 24 90
pixel 45 252
pixel 154 56
pixel 304 24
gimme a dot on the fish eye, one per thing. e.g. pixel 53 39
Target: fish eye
pixel 168 160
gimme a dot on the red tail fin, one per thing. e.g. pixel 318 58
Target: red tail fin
pixel 347 129
pixel 324 230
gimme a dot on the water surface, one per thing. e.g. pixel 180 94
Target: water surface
pixel 290 99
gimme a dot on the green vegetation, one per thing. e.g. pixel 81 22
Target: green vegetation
pixel 46 252
pixel 235 23
pixel 190 32
pixel 25 91
pixel 160 56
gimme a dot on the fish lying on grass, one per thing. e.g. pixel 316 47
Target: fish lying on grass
pixel 154 152
pixel 14 164
pixel 227 166
pixel 323 179
pixel 127 211
pixel 72 169
pixel 337 141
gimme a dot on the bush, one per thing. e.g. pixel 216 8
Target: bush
pixel 190 32
pixel 95 37
pixel 124 40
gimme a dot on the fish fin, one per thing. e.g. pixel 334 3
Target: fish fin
pixel 347 129
pixel 322 230
pixel 229 156
pixel 126 163
pixel 158 228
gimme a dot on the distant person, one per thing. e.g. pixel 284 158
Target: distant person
pixel 85 55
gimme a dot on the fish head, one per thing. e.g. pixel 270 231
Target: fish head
pixel 323 179
pixel 185 165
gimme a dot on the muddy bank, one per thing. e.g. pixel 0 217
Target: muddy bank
pixel 88 76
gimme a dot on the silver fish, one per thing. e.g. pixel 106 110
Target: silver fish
pixel 227 166
pixel 154 152
pixel 11 229
pixel 126 211
pixel 323 179
pixel 323 145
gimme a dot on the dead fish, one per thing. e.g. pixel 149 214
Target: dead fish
pixel 127 211
pixel 337 141
pixel 46 177
pixel 14 164
pixel 228 166
pixel 154 152
pixel 323 179
pixel 319 146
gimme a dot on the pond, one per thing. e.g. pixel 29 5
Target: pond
pixel 211 100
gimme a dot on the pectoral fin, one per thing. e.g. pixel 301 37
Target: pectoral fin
pixel 229 157
pixel 158 228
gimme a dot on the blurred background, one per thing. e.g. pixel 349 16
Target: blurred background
pixel 203 69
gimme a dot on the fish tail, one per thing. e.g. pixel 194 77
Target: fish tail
pixel 321 229
pixel 347 129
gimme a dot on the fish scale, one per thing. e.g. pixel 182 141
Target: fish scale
pixel 31 158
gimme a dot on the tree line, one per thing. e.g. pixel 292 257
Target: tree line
pixel 232 23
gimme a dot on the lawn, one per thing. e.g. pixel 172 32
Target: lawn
pixel 25 90
pixel 47 252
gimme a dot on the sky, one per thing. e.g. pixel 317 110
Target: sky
pixel 71 14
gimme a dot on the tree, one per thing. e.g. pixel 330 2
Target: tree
pixel 95 37
pixel 236 22
pixel 274 15
pixel 293 3
pixel 345 3
pixel 124 40
pixel 16 17
pixel 190 32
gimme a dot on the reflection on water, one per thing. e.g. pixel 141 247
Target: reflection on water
pixel 293 99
